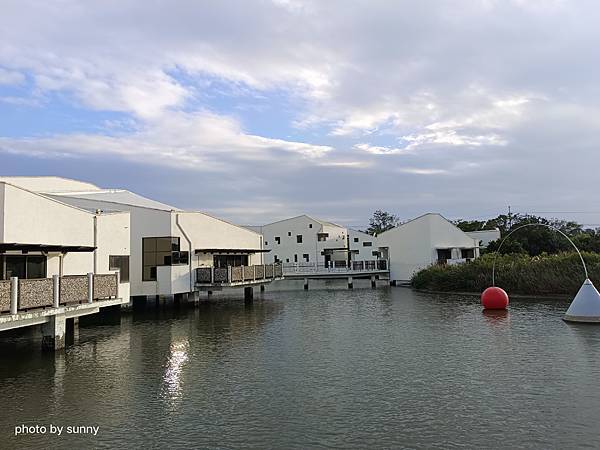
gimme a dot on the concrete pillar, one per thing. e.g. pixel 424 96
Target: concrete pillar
pixel 90 298
pixel 373 283
pixel 306 284
pixel 195 297
pixel 53 332
pixel 350 285
pixel 248 294
pixel 55 291
pixel 262 288
pixel 14 295
pixel 71 330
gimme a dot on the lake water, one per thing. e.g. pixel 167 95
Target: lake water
pixel 385 368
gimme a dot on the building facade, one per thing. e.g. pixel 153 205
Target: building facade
pixel 304 240
pixel 167 244
pixel 423 241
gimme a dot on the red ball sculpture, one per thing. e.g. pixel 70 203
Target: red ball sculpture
pixel 494 298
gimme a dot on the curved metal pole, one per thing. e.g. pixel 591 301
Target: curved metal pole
pixel 535 225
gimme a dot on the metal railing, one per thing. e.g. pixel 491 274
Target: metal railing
pixel 336 267
pixel 25 294
pixel 237 274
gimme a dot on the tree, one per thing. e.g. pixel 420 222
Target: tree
pixel 382 221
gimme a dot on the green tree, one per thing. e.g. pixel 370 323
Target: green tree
pixel 382 221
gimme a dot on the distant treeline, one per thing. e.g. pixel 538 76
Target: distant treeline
pixel 544 274
pixel 535 241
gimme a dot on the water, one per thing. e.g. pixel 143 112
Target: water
pixel 385 368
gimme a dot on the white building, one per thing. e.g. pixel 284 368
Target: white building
pixel 426 240
pixel 306 240
pixel 68 261
pixel 484 237
pixel 167 244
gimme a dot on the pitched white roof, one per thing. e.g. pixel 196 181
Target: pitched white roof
pixel 49 184
pixel 119 196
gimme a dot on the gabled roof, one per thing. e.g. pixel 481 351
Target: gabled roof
pixel 119 197
pixel 322 222
pixel 422 216
pixel 49 183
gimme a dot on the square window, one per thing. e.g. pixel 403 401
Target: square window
pixel 266 243
pixel 278 239
pixel 355 239
pixel 310 225
pixel 289 233
pixel 287 260
pixel 306 257
pixel 299 239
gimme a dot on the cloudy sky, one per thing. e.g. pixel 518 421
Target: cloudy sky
pixel 256 110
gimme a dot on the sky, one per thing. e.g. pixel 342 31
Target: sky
pixel 258 110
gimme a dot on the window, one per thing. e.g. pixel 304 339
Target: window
pixel 160 251
pixel 287 260
pixel 299 239
pixel 467 253
pixel 321 237
pixel 275 258
pixel 310 225
pixel 224 261
pixel 367 244
pixel 266 243
pixel 120 263
pixel 306 257
pixel 355 239
pixel 289 233
pixel 278 239
pixel 22 266
pixel 295 258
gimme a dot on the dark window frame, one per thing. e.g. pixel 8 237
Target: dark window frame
pixel 120 263
pixel 172 257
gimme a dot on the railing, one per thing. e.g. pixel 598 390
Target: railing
pixel 336 267
pixel 237 274
pixel 25 294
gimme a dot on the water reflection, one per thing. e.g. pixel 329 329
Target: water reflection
pixel 175 364
pixel 497 317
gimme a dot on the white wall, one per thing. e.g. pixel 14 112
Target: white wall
pixel 484 236
pixel 413 245
pixel 33 219
pixel 357 239
pixel 308 228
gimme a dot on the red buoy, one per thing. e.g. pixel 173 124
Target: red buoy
pixel 494 298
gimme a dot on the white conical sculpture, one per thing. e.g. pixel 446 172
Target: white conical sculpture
pixel 585 307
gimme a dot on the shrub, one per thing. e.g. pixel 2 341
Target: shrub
pixel 516 273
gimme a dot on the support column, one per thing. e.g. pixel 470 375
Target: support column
pixel 350 285
pixel 392 282
pixel 248 294
pixel 195 297
pixel 373 283
pixel 262 288
pixel 53 332
pixel 90 277
pixel 55 291
pixel 306 284
pixel 209 294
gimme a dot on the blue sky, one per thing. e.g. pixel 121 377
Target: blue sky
pixel 258 110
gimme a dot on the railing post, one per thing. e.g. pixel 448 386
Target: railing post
pixel 90 277
pixel 212 275
pixel 229 274
pixel 254 266
pixel 118 274
pixel 55 291
pixel 14 294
